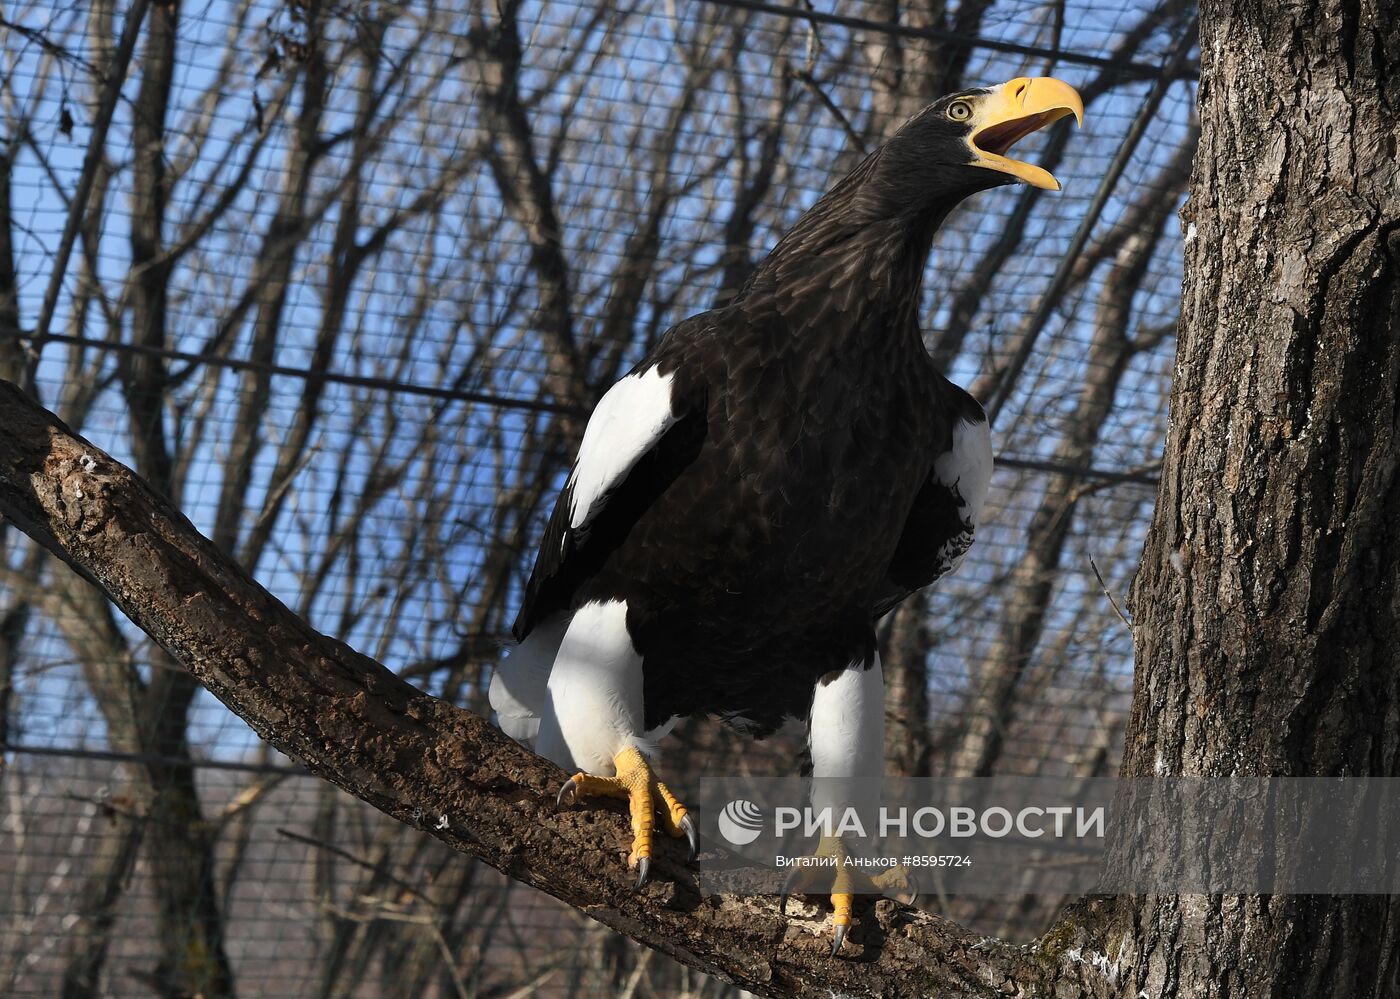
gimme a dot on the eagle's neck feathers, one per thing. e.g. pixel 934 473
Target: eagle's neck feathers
pixel 852 264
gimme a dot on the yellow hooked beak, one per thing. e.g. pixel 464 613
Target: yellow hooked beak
pixel 1013 111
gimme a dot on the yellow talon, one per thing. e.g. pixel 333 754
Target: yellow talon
pixel 636 782
pixel 843 884
pixel 674 815
pixel 635 775
pixel 898 880
pixel 841 903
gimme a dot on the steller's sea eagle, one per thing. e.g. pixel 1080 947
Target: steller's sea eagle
pixel 771 479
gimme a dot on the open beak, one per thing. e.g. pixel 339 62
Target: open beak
pixel 1013 111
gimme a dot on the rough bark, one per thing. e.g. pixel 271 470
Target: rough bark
pixel 1268 601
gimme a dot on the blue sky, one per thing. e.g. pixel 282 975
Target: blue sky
pixel 449 302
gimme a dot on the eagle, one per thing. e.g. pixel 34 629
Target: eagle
pixel 770 480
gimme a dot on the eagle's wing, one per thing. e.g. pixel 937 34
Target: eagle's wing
pixel 644 431
pixel 943 519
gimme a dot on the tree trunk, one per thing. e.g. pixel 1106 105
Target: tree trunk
pixel 1268 601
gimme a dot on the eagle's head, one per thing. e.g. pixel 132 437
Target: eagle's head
pixel 958 144
pixel 877 224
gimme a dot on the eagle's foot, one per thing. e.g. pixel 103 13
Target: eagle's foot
pixel 834 875
pixel 636 782
pixel 899 882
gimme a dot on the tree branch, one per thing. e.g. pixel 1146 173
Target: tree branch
pixel 429 764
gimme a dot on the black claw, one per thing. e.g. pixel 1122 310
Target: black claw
pixel 643 869
pixel 914 888
pixel 566 791
pixel 692 835
pixel 840 939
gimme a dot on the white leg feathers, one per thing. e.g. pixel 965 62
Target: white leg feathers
pixel 518 686
pixel 846 734
pixel 593 708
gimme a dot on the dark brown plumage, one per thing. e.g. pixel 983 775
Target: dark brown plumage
pixel 774 476
pixel 793 500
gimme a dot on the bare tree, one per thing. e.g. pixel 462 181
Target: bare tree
pixel 1297 598
pixel 386 259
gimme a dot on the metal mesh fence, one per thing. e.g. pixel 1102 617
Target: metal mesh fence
pixel 340 278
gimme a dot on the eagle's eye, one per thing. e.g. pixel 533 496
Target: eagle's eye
pixel 960 111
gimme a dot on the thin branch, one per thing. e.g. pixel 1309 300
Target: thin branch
pixel 97 144
pixel 810 82
pixel 346 855
pixel 1104 586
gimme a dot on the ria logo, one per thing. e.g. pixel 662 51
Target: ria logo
pixel 741 822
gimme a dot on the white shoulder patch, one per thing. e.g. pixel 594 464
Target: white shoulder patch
pixel 626 424
pixel 966 467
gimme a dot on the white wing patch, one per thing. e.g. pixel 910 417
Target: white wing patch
pixel 966 469
pixel 626 424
